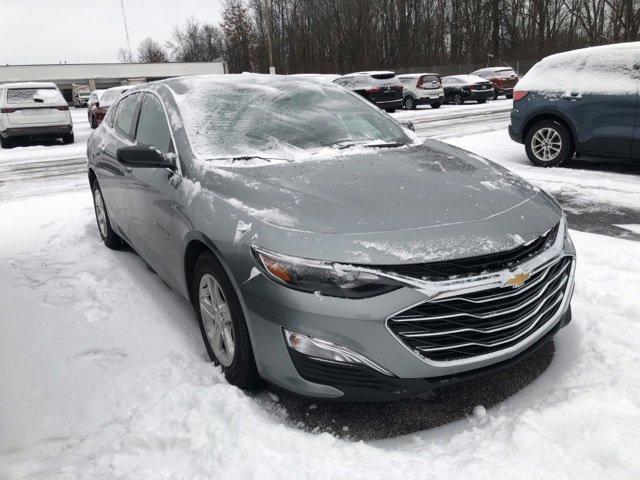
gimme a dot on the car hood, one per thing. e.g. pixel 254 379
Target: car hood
pixel 382 205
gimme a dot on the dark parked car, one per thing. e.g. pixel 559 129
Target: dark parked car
pixel 582 101
pixel 99 109
pixel 503 79
pixel 383 89
pixel 324 248
pixel 461 88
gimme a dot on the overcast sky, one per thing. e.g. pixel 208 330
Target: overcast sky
pixel 86 31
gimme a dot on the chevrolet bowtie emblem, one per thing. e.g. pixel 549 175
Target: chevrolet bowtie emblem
pixel 518 279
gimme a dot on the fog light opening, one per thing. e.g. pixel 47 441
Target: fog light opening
pixel 327 351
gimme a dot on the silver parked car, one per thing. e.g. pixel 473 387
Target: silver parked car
pixel 325 249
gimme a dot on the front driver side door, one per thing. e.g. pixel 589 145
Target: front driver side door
pixel 150 194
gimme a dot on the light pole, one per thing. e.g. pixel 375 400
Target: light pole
pixel 126 29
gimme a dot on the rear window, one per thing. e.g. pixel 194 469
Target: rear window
pixel 383 76
pixel 35 96
pixel 506 73
pixel 407 80
pixel 109 97
pixel 430 81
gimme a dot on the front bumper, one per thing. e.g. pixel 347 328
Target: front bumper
pixel 361 326
pixel 37 131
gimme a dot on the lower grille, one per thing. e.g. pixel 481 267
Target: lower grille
pixel 483 322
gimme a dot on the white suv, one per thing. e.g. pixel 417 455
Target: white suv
pixel 422 89
pixel 29 110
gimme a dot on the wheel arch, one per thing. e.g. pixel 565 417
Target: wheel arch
pixel 554 116
pixel 92 176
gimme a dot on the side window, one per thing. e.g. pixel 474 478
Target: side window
pixel 126 114
pixel 153 129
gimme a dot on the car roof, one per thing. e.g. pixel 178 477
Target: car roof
pixel 370 72
pixel 416 75
pixel 467 78
pixel 494 69
pixel 29 85
pixel 122 87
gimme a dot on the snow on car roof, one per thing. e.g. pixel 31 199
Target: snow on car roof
pixel 494 69
pixel 467 78
pixel 28 85
pixel 370 72
pixel 605 69
pixel 416 75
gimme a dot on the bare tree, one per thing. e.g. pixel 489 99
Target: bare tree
pixel 195 42
pixel 239 36
pixel 150 51
pixel 124 56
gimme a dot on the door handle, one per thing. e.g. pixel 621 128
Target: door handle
pixel 572 96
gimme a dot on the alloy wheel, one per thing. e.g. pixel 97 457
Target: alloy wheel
pixel 216 318
pixel 546 144
pixel 101 215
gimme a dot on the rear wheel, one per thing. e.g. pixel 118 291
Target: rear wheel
pixel 548 144
pixel 68 138
pixel 93 122
pixel 110 238
pixel 222 322
pixel 4 142
pixel 495 94
pixel 436 105
pixel 389 110
pixel 409 103
pixel 457 99
pixel 510 96
pixel 482 100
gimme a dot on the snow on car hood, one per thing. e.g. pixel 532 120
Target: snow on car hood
pixel 388 205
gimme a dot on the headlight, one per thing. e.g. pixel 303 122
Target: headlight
pixel 324 278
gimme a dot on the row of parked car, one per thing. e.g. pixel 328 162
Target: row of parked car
pixel 390 91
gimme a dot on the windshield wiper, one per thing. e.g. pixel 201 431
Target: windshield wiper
pixel 248 157
pixel 386 145
pixel 342 144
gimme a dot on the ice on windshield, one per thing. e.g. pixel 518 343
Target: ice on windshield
pixel 607 70
pixel 35 96
pixel 245 115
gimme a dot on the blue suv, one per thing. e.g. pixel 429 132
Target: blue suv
pixel 582 102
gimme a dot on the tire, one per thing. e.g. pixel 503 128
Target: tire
pixel 239 366
pixel 436 105
pixel 4 142
pixel 93 123
pixel 457 99
pixel 409 103
pixel 482 100
pixel 390 110
pixel 495 94
pixel 541 140
pixel 110 238
pixel 510 96
pixel 68 138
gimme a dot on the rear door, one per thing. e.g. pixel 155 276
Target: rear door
pixel 35 106
pixel 602 105
pixel 150 194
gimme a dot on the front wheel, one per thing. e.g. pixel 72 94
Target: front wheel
pixel 510 96
pixel 222 323
pixel 409 103
pixel 4 142
pixel 68 138
pixel 436 105
pixel 390 110
pixel 548 144
pixel 495 94
pixel 109 237
pixel 457 99
pixel 482 100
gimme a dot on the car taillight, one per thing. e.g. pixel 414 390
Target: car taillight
pixel 7 110
pixel 519 95
pixel 374 90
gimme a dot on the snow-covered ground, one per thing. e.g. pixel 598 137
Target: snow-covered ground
pixel 103 371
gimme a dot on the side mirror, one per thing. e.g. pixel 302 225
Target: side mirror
pixel 142 156
pixel 408 125
pixel 96 105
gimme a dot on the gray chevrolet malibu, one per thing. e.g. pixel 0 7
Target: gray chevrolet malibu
pixel 325 248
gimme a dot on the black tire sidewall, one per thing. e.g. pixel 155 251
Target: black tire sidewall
pixel 112 240
pixel 436 105
pixel 242 372
pixel 566 152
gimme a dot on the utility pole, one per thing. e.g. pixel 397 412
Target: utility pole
pixel 269 5
pixel 126 29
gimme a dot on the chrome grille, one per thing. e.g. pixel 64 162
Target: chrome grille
pixel 483 322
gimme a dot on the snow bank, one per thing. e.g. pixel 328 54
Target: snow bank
pixel 607 69
pixel 104 376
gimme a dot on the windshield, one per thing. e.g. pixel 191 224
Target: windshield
pixel 226 119
pixel 35 96
pixel 109 97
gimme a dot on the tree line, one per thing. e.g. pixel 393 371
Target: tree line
pixel 337 36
